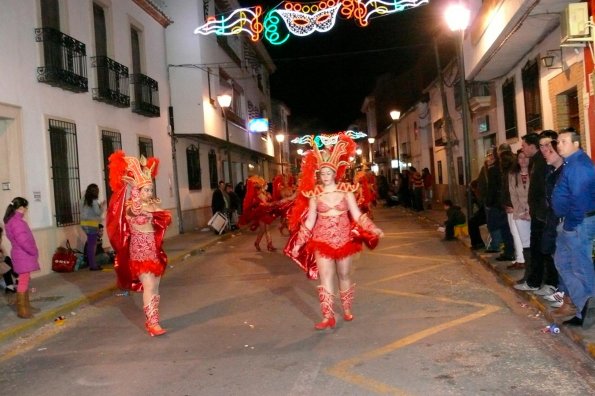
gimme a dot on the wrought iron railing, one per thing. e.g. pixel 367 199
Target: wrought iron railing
pixel 112 82
pixel 64 61
pixel 146 95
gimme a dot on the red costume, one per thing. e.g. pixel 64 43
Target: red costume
pixel 137 252
pixel 334 237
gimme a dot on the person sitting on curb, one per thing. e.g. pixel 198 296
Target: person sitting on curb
pixel 454 217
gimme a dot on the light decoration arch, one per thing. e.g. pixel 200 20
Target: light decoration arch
pixel 289 18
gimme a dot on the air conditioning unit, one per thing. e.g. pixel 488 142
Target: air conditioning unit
pixel 574 25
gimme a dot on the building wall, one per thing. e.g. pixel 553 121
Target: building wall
pixel 26 105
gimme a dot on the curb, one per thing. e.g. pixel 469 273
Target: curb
pixel 47 316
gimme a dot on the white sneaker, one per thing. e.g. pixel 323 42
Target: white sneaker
pixel 557 296
pixel 545 290
pixel 525 287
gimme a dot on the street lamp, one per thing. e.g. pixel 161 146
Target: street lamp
pixel 457 17
pixel 371 140
pixel 280 139
pixel 225 101
pixel 395 115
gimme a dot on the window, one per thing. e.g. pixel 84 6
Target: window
pixel 440 180
pixel 145 147
pixel 509 104
pixel 65 172
pixel 439 133
pixel 193 164
pixel 532 96
pixel 213 175
pixel 227 84
pixel 110 143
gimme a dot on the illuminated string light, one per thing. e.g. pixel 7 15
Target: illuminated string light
pixel 326 139
pixel 300 19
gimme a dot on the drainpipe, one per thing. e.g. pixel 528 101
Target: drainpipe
pixel 172 134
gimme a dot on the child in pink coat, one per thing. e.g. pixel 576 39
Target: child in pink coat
pixel 24 251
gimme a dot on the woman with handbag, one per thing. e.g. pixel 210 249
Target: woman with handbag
pixel 135 227
pixel 331 227
pixel 91 213
pixel 24 253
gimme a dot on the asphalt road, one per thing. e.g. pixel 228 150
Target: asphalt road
pixel 429 321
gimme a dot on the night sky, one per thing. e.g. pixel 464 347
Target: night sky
pixel 323 78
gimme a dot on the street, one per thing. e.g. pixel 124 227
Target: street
pixel 429 320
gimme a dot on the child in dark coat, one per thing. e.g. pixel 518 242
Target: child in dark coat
pixel 454 217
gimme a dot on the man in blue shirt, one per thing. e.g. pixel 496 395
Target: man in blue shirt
pixel 573 201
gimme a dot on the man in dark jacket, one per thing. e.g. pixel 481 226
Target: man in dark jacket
pixel 538 211
pixel 220 200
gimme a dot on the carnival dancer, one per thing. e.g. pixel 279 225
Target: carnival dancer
pixel 258 211
pixel 135 227
pixel 324 238
pixel 283 196
pixel 363 194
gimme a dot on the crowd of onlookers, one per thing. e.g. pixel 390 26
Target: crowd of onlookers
pixel 539 208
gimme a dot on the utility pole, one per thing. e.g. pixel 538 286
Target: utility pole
pixel 452 182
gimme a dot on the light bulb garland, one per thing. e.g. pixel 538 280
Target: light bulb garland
pixel 326 139
pixel 300 19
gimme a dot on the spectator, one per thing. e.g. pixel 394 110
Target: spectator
pixel 240 191
pixel 404 194
pixel 102 256
pixel 479 187
pixel 454 217
pixel 428 179
pixel 496 218
pixel 417 186
pixel 573 200
pixel 234 205
pixel 220 200
pixel 534 268
pixel 519 219
pixel 553 290
pixel 24 253
pixel 91 213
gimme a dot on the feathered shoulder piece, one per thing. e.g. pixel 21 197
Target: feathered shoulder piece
pixel 347 187
pixel 316 191
pixel 117 169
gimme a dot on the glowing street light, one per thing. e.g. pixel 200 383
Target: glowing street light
pixel 395 115
pixel 280 139
pixel 371 140
pixel 457 17
pixel 224 101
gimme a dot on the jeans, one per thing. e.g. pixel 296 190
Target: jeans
pixel 478 219
pixel 574 262
pixel 497 222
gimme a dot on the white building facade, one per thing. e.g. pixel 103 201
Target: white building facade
pixel 200 69
pixel 80 79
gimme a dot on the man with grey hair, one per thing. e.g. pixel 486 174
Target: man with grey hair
pixel 573 201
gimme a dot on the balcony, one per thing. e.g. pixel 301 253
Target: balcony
pixel 146 95
pixel 480 96
pixel 112 82
pixel 64 61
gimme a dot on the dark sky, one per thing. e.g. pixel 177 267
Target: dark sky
pixel 323 78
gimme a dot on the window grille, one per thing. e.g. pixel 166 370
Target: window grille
pixel 65 172
pixel 145 148
pixel 110 142
pixel 193 164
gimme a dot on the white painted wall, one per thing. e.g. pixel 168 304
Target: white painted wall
pixel 39 102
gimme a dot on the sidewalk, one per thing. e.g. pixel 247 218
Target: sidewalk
pixel 59 294
pixel 583 338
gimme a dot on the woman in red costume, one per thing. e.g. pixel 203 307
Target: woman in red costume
pixel 258 211
pixel 283 195
pixel 363 194
pixel 326 228
pixel 135 228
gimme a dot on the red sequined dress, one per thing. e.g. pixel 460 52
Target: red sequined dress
pixel 331 235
